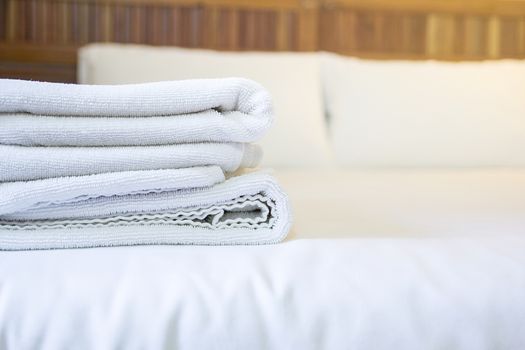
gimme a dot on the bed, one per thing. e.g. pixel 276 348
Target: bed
pixel 391 248
pixel 441 267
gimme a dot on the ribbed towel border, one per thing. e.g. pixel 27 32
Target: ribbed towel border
pixel 244 224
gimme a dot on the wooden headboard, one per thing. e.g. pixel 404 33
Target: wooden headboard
pixel 39 38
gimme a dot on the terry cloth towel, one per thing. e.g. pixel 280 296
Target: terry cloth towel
pixel 19 163
pixel 180 206
pixel 184 123
pixel 186 111
pixel 87 166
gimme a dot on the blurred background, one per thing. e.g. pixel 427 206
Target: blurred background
pixel 39 38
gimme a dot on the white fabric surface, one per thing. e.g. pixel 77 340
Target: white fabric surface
pixel 376 294
pixel 150 123
pixel 104 185
pixel 293 80
pixel 416 273
pixel 205 110
pixel 209 126
pixel 406 202
pixel 21 196
pixel 388 113
pixel 136 100
pixel 180 206
pixel 20 163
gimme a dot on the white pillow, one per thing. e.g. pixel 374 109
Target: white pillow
pixel 395 113
pixel 299 134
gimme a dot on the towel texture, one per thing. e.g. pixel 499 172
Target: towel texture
pixel 88 166
pixel 213 110
pixel 31 163
pixel 181 206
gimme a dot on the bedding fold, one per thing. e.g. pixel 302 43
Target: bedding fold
pixel 89 166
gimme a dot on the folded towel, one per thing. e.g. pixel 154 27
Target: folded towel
pixel 30 163
pixel 88 166
pixel 187 123
pixel 181 206
pixel 210 110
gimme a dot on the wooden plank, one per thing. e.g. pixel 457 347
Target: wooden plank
pixel 281 31
pixel 21 20
pixel 212 30
pixel 12 7
pixel 83 23
pixel 433 6
pixel 31 24
pixel 245 4
pixel 389 36
pixel 106 22
pixel 475 35
pixel 38 53
pixel 43 72
pixel 493 37
pixel 379 29
pixel 521 37
pixel 409 56
pixel 3 19
pixel 308 26
pixel 509 36
pixel 414 32
pixel 234 35
pixel 440 35
pixel 459 35
pixel 65 27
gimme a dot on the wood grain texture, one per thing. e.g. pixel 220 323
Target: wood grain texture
pixel 38 38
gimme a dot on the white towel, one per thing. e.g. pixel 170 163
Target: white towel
pixel 210 110
pixel 190 123
pixel 18 163
pixel 89 166
pixel 182 206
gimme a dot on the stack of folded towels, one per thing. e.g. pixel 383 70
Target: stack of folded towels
pixel 85 166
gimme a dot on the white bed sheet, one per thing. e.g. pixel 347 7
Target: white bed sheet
pixel 376 283
pixel 406 202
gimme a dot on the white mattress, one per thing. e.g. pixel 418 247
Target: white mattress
pixel 376 260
